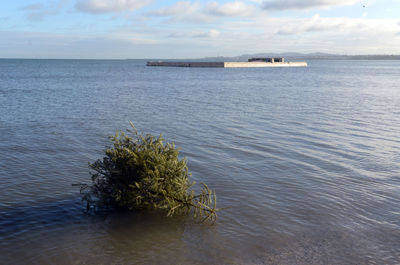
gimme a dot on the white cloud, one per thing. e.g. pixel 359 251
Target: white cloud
pixel 233 9
pixel 184 11
pixel 305 4
pixel 261 33
pixel 187 35
pixel 109 6
pixel 334 25
pixel 206 12
pixel 37 12
pixel 228 28
pixel 324 34
pixel 179 9
pixel 213 33
pixel 317 24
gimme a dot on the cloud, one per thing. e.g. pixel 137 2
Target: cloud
pixel 318 24
pixel 205 12
pixel 60 45
pixel 259 32
pixel 304 4
pixel 309 34
pixel 37 12
pixel 210 34
pixel 182 8
pixel 229 27
pixel 109 6
pixel 33 7
pixel 262 34
pixel 184 11
pixel 72 46
pixel 322 25
pixel 232 9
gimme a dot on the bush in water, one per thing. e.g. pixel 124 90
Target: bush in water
pixel 142 172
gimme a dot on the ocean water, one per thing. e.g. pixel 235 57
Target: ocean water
pixel 305 160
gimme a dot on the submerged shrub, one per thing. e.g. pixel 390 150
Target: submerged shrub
pixel 142 172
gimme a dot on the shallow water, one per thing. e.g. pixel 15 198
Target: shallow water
pixel 306 159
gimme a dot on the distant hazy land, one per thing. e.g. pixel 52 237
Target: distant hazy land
pixel 289 56
pixel 303 56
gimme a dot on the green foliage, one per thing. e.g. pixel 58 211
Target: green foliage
pixel 142 172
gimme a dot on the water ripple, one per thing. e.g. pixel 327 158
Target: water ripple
pixel 306 160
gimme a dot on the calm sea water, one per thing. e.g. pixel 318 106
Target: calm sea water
pixel 306 159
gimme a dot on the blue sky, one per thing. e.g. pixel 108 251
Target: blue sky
pixel 189 29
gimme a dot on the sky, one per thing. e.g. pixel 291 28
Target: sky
pixel 121 29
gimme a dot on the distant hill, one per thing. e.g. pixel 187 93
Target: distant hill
pixel 304 56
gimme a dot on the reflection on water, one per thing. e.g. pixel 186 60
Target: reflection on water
pixel 307 160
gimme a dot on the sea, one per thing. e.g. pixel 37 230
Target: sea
pixel 305 161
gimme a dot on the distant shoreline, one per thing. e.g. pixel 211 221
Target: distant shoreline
pixel 289 56
pixel 312 56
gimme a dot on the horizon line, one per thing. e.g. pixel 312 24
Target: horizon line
pixel 206 57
